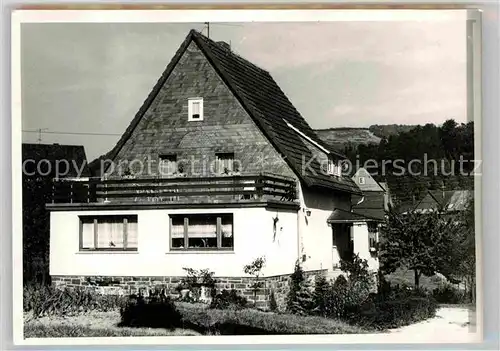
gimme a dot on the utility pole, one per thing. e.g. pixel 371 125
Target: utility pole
pixel 40 134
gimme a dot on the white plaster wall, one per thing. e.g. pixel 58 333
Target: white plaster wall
pixel 315 232
pixel 362 244
pixel 253 237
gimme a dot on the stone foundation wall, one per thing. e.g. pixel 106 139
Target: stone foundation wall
pixel 120 285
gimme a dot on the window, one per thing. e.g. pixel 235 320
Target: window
pixel 108 233
pixel 201 232
pixel 361 180
pixel 195 109
pixel 224 163
pixel 334 167
pixel 168 165
pixel 372 234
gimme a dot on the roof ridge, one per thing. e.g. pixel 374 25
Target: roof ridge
pixel 216 43
pixel 263 99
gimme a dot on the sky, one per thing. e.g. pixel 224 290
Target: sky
pixel 93 78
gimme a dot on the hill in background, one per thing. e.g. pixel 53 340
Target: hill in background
pixel 340 137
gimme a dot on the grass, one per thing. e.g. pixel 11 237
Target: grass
pixel 90 324
pixel 250 321
pixel 197 319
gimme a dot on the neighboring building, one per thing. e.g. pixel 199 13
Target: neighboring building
pixel 444 201
pixel 40 162
pixel 237 174
pixel 375 200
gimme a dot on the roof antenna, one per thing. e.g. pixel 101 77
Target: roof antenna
pixel 208 29
pixel 39 140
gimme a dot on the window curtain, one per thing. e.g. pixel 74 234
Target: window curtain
pixel 110 233
pixel 177 230
pixel 202 227
pixel 225 162
pixel 88 234
pixel 168 166
pixel 132 234
pixel 226 228
pixel 196 108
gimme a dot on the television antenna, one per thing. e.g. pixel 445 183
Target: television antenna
pixel 40 131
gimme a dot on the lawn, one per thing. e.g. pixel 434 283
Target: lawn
pixel 197 319
pixel 90 324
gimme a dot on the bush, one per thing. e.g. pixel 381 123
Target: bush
pixel 194 281
pixel 299 298
pixel 155 311
pixel 395 313
pixel 228 299
pixel 273 306
pixel 321 295
pixel 47 300
pixel 449 294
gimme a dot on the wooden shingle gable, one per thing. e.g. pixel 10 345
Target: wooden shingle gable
pixel 265 103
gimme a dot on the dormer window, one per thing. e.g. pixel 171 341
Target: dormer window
pixel 334 167
pixel 195 109
pixel 361 180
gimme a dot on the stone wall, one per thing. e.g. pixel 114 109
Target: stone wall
pixel 131 285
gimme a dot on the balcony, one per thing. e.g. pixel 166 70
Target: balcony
pixel 174 191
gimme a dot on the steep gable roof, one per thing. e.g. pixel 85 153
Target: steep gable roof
pixel 450 200
pixel 373 205
pixel 268 106
pixel 370 183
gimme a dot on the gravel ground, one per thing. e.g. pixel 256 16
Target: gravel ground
pixel 451 324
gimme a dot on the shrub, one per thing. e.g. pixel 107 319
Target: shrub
pixel 47 300
pixel 395 313
pixel 255 269
pixel 273 306
pixel 194 281
pixel 155 311
pixel 321 295
pixel 449 294
pixel 228 299
pixel 299 298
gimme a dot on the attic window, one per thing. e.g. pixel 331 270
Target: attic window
pixel 334 167
pixel 224 163
pixel 361 180
pixel 195 109
pixel 168 165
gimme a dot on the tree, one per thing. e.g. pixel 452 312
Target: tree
pixel 255 269
pixel 419 242
pixel 299 299
pixel 462 265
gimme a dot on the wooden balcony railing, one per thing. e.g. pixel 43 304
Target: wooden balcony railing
pixel 193 189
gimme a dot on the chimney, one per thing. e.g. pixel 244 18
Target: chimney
pixel 224 45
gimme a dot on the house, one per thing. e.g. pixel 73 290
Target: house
pixel 233 172
pixel 448 201
pixel 376 198
pixel 365 216
pixel 42 163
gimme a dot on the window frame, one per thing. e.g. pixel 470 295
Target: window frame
pixel 218 159
pixel 168 157
pixel 361 180
pixel 95 220
pixel 334 167
pixel 219 221
pixel 191 102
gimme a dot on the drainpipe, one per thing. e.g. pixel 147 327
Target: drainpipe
pixel 360 201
